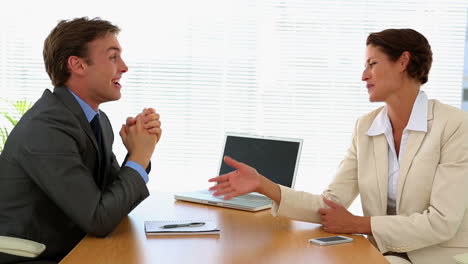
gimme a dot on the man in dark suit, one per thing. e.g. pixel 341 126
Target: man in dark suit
pixel 59 179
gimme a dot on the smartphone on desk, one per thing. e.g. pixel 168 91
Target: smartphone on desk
pixel 332 240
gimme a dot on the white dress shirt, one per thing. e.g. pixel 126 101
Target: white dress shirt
pixel 382 125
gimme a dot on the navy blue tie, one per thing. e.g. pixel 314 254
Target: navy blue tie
pixel 96 126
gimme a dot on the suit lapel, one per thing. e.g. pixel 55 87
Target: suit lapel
pixel 70 102
pixel 415 139
pixel 381 165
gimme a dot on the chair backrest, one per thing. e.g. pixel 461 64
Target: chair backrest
pixel 461 258
pixel 20 247
pixel 39 262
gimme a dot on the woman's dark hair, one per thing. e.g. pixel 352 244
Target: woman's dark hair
pixel 394 42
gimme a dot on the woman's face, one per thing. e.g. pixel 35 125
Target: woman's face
pixel 383 76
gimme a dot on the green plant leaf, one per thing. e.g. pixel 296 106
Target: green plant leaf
pixel 20 107
pixel 3 136
pixel 11 119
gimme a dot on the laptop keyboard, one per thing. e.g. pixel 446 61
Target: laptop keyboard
pixel 246 197
pixel 253 197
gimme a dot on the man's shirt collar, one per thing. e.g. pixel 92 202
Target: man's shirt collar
pixel 88 111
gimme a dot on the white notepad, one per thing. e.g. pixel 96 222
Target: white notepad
pixel 156 228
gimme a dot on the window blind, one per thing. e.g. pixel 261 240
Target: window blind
pixel 273 68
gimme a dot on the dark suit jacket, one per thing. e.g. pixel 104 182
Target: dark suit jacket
pixel 49 170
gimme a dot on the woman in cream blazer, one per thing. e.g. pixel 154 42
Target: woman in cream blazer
pixel 408 161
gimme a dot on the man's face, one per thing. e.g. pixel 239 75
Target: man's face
pixel 104 69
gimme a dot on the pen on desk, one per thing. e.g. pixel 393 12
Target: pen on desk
pixel 193 224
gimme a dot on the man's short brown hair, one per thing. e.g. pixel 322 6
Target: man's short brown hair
pixel 71 38
pixel 394 42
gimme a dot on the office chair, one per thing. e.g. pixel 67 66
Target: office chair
pixel 461 258
pixel 20 247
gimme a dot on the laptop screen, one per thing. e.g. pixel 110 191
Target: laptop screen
pixel 275 158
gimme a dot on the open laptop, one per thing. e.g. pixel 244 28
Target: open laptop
pixel 274 157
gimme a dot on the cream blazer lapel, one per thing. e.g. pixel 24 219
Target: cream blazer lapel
pixel 415 139
pixel 381 166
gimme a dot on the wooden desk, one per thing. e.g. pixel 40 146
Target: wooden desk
pixel 245 238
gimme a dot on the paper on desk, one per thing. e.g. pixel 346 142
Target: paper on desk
pixel 155 228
